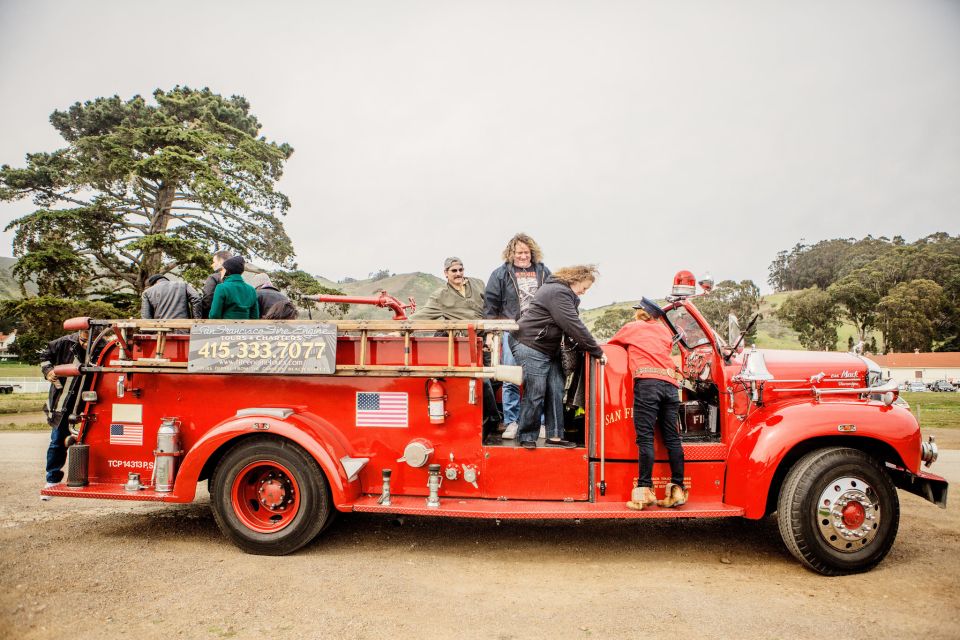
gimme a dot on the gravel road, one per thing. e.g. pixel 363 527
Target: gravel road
pixel 104 569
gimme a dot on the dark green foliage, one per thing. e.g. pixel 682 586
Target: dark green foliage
pixel 815 316
pixel 879 283
pixel 40 320
pixel 910 314
pixel 297 284
pixel 146 188
pixel 741 299
pixel 380 275
pixel 610 322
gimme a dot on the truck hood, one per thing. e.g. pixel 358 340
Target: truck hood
pixel 823 368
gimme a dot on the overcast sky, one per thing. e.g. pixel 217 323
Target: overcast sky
pixel 646 137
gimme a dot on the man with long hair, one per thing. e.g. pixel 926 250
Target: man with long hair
pixel 509 292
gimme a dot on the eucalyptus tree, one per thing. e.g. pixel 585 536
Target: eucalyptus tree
pixel 147 187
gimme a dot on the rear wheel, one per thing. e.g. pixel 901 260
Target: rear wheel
pixel 269 496
pixel 838 511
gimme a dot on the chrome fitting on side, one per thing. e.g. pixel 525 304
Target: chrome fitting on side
pixel 929 452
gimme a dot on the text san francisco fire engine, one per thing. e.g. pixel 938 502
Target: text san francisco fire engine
pixel 290 422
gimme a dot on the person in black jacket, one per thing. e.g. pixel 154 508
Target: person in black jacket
pixel 267 294
pixel 509 291
pixel 553 313
pixel 213 280
pixel 69 349
pixel 165 300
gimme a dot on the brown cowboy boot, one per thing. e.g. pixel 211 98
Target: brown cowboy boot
pixel 642 497
pixel 675 496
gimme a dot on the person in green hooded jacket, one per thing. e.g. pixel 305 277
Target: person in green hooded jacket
pixel 234 299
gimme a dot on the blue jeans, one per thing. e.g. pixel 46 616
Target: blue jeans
pixel 543 382
pixel 657 401
pixel 511 392
pixel 57 451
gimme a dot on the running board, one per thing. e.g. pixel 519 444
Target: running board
pixel 538 509
pixel 104 491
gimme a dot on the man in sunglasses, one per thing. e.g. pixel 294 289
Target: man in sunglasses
pixel 69 349
pixel 461 298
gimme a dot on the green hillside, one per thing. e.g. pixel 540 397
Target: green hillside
pixel 400 286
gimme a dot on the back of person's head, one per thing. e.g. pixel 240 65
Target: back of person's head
pixel 261 280
pixel 234 265
pixel 154 279
pixel 576 273
pixel 222 256
pixel 283 310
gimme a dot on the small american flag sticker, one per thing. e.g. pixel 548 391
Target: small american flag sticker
pixel 382 409
pixel 129 434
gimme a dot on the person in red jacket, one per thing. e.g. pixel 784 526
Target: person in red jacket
pixel 656 400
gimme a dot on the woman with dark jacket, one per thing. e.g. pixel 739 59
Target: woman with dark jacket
pixel 553 313
pixel 234 299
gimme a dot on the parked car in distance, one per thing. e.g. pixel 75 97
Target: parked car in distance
pixel 942 385
pixel 917 387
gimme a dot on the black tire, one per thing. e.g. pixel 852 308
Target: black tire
pixel 278 471
pixel 838 511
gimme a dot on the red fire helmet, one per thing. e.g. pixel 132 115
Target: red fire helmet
pixel 684 284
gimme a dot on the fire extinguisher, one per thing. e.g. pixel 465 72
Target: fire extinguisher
pixel 166 454
pixel 436 401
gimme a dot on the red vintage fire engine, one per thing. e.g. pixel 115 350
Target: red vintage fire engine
pixel 290 422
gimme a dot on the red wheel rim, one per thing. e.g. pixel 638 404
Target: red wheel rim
pixel 266 496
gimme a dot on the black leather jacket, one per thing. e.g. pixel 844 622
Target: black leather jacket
pixel 63 350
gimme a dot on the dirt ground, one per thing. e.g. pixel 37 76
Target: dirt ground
pixel 103 569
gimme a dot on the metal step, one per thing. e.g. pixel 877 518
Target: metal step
pixel 104 491
pixel 539 509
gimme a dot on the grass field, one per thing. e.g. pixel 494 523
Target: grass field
pixel 935 410
pixel 6 425
pixel 8 370
pixel 21 402
pixel 16 403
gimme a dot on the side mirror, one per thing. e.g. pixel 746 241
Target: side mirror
pixel 733 330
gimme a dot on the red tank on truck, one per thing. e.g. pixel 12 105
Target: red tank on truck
pixel 292 422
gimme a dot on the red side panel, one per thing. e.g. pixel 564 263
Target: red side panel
pixel 538 474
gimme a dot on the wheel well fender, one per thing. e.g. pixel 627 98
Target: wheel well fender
pixel 316 436
pixel 764 451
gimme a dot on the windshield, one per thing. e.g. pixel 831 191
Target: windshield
pixel 691 333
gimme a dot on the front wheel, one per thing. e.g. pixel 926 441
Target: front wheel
pixel 838 511
pixel 269 496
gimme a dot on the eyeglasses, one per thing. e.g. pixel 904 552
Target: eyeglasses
pixel 460 270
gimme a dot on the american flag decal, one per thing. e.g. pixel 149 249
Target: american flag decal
pixel 130 434
pixel 382 409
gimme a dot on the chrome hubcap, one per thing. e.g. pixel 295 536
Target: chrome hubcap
pixel 848 514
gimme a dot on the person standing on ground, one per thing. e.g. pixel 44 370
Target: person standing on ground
pixel 234 299
pixel 69 349
pixel 656 400
pixel 461 298
pixel 553 314
pixel 165 300
pixel 509 292
pixel 213 280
